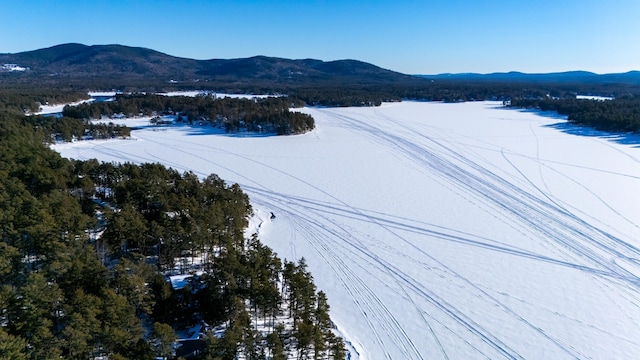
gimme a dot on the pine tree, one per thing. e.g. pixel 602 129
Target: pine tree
pixel 164 336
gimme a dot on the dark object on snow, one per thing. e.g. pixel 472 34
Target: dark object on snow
pixel 273 216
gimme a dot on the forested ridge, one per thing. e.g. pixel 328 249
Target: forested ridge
pixel 85 246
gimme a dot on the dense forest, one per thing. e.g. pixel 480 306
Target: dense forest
pixel 85 248
pixel 269 114
pixel 69 129
pixel 20 99
pixel 620 114
pixel 16 102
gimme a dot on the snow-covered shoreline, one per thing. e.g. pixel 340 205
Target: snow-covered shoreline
pixel 440 230
pixel 49 109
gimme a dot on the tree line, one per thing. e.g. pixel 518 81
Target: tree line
pixel 85 246
pixel 269 114
pixel 69 129
pixel 20 99
pixel 620 114
pixel 454 90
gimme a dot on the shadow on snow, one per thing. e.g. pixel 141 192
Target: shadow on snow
pixel 194 130
pixel 618 137
pixel 624 138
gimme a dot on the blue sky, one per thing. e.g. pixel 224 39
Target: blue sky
pixel 414 37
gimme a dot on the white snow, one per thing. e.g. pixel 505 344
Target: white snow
pixel 103 93
pixel 441 231
pixel 594 97
pixel 13 67
pixel 135 122
pixel 193 93
pixel 243 96
pixel 179 281
pixel 57 108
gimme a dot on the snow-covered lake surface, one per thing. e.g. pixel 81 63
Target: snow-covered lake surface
pixel 441 231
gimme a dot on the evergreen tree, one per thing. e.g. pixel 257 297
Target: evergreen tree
pixel 163 336
pixel 12 347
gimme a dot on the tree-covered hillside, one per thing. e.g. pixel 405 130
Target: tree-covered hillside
pixel 116 66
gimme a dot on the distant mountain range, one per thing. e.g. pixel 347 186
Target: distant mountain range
pixel 631 77
pixel 76 61
pixel 118 64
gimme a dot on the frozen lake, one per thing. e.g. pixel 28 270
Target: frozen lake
pixel 441 231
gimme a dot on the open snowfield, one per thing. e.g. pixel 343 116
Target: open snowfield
pixel 57 108
pixel 441 231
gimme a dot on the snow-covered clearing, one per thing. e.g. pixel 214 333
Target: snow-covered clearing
pixel 194 93
pixel 57 108
pixel 593 97
pixel 451 231
pixel 191 93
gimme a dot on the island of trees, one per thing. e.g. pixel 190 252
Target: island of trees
pixel 85 248
pixel 270 114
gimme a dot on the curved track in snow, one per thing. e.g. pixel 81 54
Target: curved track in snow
pixel 441 231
